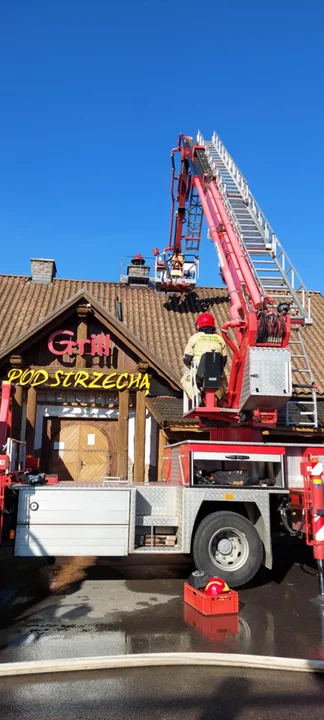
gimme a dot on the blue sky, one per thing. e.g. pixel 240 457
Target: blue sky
pixel 94 94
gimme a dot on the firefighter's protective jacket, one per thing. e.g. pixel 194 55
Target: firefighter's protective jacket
pixel 200 343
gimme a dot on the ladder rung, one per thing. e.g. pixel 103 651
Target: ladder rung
pixel 271 282
pixel 303 424
pixel 304 402
pixel 302 385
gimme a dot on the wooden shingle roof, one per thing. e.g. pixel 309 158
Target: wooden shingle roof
pixel 161 323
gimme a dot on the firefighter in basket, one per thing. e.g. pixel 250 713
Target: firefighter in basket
pixel 177 262
pixel 203 341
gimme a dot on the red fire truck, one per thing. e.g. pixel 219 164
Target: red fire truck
pixel 220 500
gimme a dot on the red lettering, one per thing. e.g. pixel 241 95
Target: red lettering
pixel 99 345
pixel 93 345
pixel 107 345
pixel 68 345
pixel 81 344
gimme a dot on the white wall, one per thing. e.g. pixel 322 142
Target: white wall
pixel 131 444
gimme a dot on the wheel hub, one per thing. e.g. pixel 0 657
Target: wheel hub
pixel 228 549
pixel 224 547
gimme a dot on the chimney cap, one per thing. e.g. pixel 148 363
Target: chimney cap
pixel 138 260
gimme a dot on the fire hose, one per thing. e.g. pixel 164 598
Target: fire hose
pixel 113 662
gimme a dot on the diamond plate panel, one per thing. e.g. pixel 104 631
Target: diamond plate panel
pixel 179 510
pixel 158 506
pixel 175 466
pixel 159 550
pixel 158 501
pixel 267 377
pixel 193 497
pixel 155 520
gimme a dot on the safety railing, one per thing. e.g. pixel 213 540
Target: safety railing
pixel 192 401
pixel 271 242
pixel 166 274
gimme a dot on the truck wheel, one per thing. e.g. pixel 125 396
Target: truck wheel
pixel 226 544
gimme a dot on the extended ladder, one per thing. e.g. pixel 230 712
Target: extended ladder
pixel 301 412
pixel 272 267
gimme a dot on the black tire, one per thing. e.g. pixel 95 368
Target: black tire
pixel 243 562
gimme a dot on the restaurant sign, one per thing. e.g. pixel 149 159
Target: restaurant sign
pixel 95 345
pixel 81 378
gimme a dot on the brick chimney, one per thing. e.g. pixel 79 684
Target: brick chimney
pixel 137 272
pixel 42 270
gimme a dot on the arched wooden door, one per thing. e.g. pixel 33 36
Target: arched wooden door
pixel 83 450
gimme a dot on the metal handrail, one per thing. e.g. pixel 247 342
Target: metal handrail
pixel 272 244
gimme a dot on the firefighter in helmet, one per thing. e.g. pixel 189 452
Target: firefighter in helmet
pixel 177 261
pixel 203 341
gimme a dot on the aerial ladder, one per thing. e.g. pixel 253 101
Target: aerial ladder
pixel 269 303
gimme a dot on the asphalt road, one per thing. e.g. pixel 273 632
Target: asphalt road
pixel 82 606
pixel 165 694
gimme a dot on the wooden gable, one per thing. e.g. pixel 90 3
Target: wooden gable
pixel 94 340
pixel 103 350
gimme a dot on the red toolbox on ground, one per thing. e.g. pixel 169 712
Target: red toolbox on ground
pixel 225 603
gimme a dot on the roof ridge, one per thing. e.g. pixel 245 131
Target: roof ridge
pixel 57 280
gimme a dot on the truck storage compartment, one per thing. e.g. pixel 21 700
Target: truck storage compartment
pixel 72 521
pixel 158 511
pixel 71 540
pixel 237 470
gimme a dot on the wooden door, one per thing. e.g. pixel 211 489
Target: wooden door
pixel 94 453
pixel 84 450
pixel 65 440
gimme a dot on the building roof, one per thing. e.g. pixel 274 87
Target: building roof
pixel 106 318
pixel 166 410
pixel 162 324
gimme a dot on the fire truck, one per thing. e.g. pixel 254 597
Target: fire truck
pixel 223 499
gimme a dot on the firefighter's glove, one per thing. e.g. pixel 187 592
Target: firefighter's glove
pixel 187 359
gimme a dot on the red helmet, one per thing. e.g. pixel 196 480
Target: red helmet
pixel 215 586
pixel 205 320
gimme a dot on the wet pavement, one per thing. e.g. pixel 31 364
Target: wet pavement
pixel 165 694
pixel 82 606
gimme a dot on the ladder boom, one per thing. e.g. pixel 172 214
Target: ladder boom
pixel 275 271
pixel 267 295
